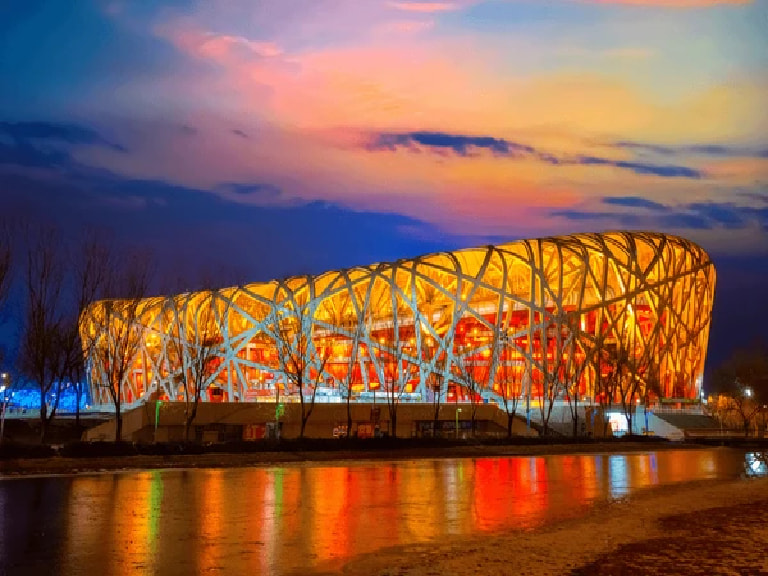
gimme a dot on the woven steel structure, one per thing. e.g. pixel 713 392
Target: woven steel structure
pixel 521 314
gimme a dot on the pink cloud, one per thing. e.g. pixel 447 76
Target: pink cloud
pixel 219 46
pixel 409 26
pixel 222 48
pixel 425 6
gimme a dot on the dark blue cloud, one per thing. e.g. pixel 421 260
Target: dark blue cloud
pixel 253 190
pixel 693 149
pixel 240 133
pixel 643 146
pixel 634 221
pixel 41 144
pixel 460 144
pixel 665 171
pixel 633 202
pixel 693 216
pixel 25 132
pixel 464 145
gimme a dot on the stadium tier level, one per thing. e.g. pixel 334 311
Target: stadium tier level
pixel 584 316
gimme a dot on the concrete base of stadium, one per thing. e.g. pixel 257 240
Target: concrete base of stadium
pixel 217 422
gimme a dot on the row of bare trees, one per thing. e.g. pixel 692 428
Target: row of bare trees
pixel 622 369
pixel 58 281
pixel 62 327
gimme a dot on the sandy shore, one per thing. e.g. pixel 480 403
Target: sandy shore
pixel 715 527
pixel 59 465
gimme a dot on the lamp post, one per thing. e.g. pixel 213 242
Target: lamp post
pixel 458 411
pixel 4 385
pixel 157 416
pixel 748 396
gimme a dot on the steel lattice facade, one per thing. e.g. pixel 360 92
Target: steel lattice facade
pixel 517 311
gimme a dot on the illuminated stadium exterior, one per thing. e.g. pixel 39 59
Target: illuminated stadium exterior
pixel 515 319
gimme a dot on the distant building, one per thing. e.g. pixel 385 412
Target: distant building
pixel 569 315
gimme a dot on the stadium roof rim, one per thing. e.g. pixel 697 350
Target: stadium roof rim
pixel 578 236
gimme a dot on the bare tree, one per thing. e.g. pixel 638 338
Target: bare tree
pixel 605 372
pixel 354 354
pixel 301 358
pixel 510 394
pixel 554 341
pixel 90 266
pixel 636 362
pixel 576 363
pixel 116 330
pixel 434 358
pixel 473 371
pixel 342 314
pixel 42 355
pixel 194 342
pixel 397 371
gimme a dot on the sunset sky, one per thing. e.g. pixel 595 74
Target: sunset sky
pixel 278 137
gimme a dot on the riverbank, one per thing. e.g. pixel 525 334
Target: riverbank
pixel 709 527
pixel 12 467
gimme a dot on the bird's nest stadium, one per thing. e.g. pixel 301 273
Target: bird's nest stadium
pixel 499 322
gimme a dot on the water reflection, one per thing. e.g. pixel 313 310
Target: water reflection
pixel 273 520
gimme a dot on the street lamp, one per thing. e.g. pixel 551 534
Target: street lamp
pixel 748 392
pixel 458 411
pixel 4 387
pixel 157 416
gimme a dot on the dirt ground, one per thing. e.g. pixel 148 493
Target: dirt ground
pixel 700 529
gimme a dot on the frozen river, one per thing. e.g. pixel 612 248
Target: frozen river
pixel 310 517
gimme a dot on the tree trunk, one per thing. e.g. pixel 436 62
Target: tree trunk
pixel 575 419
pixel 349 415
pixel 43 419
pixel 192 414
pixel 393 421
pixel 303 413
pixel 510 418
pixel 118 422
pixel 436 417
pixel 77 406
